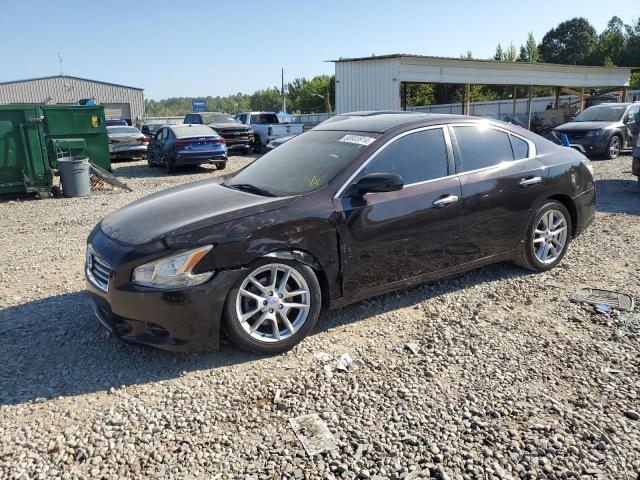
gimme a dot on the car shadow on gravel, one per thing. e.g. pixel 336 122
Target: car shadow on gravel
pixel 618 196
pixel 409 297
pixel 55 347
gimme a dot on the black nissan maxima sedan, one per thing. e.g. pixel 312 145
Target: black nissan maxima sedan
pixel 360 205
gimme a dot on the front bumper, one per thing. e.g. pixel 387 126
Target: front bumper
pixel 186 319
pixel 590 145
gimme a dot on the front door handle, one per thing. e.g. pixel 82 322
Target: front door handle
pixel 445 201
pixel 530 181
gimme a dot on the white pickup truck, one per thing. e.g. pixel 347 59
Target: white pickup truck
pixel 266 127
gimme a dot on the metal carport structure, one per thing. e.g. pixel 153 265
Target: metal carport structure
pixel 374 83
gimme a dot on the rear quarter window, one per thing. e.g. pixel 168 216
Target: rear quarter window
pixel 520 148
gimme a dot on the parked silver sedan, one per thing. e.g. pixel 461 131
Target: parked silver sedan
pixel 127 142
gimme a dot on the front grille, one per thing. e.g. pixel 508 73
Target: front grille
pixel 98 271
pixel 575 135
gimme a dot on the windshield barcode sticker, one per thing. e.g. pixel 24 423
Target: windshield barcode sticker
pixel 359 139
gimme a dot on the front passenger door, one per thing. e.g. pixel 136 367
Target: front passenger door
pixel 391 236
pixel 631 124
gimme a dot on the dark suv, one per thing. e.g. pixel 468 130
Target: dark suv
pixel 236 135
pixel 604 129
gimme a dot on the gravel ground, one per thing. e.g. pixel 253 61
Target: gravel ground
pixel 503 378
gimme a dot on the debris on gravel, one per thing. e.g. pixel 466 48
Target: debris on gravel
pixel 493 373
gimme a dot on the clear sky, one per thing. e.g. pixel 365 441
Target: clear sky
pixel 197 48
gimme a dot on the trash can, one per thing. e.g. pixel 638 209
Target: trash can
pixel 74 174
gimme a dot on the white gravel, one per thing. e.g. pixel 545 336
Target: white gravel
pixel 503 377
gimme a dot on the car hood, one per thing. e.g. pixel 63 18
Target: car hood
pixel 228 126
pixel 582 126
pixel 185 208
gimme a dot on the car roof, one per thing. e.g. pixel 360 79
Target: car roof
pixel 383 121
pixel 614 104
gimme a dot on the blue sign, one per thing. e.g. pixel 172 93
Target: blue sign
pixel 199 104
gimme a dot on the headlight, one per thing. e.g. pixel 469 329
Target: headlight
pixel 594 133
pixel 173 272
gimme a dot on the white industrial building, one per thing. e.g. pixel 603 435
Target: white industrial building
pixel 119 101
pixel 374 83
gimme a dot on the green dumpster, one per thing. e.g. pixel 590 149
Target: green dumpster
pixel 76 130
pixel 33 137
pixel 24 164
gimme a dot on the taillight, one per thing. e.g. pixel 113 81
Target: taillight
pixel 220 140
pixel 144 139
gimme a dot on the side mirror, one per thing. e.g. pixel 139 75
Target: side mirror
pixel 377 182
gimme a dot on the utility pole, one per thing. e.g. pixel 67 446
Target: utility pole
pixel 284 97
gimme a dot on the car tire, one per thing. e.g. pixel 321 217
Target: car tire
pixel 150 161
pixel 613 148
pixel 258 147
pixel 542 234
pixel 221 165
pixel 169 168
pixel 257 332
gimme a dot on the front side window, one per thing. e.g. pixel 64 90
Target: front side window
pixel 303 164
pixel 416 157
pixel 632 116
pixel 482 147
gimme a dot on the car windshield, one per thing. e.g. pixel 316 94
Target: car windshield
pixel 601 114
pixel 153 128
pixel 122 130
pixel 220 118
pixel 192 131
pixel 303 164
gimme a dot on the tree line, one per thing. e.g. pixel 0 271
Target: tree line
pixel 572 42
pixel 302 95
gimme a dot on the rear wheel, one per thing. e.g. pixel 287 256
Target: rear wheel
pixel 548 238
pixel 613 148
pixel 221 165
pixel 273 307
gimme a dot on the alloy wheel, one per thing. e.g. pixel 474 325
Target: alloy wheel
pixel 550 236
pixel 614 147
pixel 273 302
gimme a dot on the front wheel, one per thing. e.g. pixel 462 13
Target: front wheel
pixel 258 147
pixel 221 165
pixel 613 148
pixel 273 307
pixel 547 239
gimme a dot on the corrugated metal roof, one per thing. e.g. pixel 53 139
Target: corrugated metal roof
pixel 68 76
pixel 489 60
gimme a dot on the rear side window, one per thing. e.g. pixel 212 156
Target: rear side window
pixel 520 148
pixel 482 147
pixel 416 157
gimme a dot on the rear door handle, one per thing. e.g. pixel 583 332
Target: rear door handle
pixel 530 181
pixel 445 201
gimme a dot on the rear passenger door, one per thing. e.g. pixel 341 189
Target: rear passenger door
pixel 501 180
